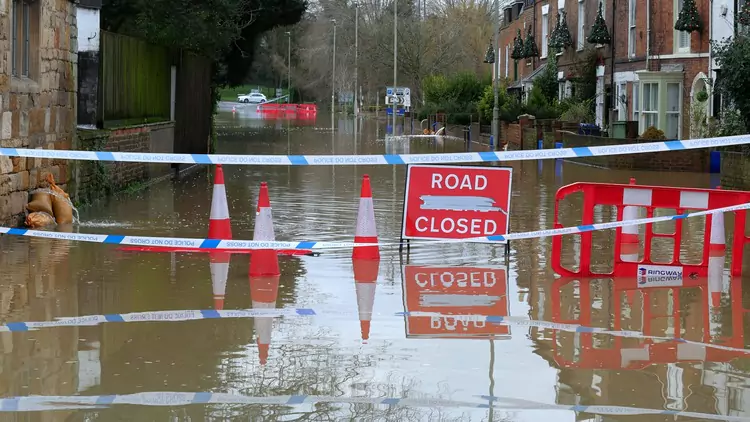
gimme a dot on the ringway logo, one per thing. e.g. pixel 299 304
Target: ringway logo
pixel 659 276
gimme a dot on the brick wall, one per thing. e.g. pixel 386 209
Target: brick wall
pixel 735 170
pixel 696 160
pixel 145 138
pixel 507 32
pixel 514 136
pixel 37 111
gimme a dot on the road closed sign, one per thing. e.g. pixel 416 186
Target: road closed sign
pixel 454 302
pixel 456 202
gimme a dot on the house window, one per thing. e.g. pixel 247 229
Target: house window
pixel 673 111
pixel 507 58
pixel 636 102
pixel 545 32
pixel 560 10
pixel 682 39
pixel 581 24
pixel 622 101
pixel 650 107
pixel 631 28
pixel 561 90
pixel 24 44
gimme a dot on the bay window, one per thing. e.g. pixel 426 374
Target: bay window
pixel 658 102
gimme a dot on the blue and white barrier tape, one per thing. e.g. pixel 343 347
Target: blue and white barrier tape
pixel 388 159
pixel 192 315
pixel 157 316
pixel 188 243
pixel 168 399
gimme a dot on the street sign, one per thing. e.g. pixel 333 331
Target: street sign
pixel 459 299
pixel 456 202
pixel 389 111
pixel 401 95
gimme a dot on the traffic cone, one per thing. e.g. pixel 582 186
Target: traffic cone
pixel 365 278
pixel 717 243
pixel 264 291
pixel 715 278
pixel 629 233
pixel 219 267
pixel 219 226
pixel 366 231
pixel 264 262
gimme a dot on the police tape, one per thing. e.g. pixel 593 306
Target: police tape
pixel 229 245
pixel 156 316
pixel 387 159
pixel 176 398
pixel 450 321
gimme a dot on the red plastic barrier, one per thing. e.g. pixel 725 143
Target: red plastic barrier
pixel 649 197
pixel 638 353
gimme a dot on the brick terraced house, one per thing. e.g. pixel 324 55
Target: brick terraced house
pixel 653 70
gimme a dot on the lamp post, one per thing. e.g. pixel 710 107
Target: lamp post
pixel 356 62
pixel 289 65
pixel 490 58
pixel 394 106
pixel 333 74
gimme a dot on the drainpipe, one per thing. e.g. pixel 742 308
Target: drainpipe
pixel 648 35
pixel 612 68
pixel 533 17
pixel 710 56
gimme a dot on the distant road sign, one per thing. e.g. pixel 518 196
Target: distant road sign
pixel 402 93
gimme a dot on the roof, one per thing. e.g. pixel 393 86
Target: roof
pixel 517 84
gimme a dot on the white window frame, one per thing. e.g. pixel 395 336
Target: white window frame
pixel 507 59
pixel 680 37
pixel 661 80
pixel 581 24
pixel 668 112
pixel 631 27
pixel 545 30
pixel 649 107
pixel 561 10
pixel 637 103
pixel 604 9
pixel 560 90
pixel 622 105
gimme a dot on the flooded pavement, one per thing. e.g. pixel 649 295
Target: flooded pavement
pixel 344 347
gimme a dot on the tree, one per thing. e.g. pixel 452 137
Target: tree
pixel 732 57
pixel 599 33
pixel 688 20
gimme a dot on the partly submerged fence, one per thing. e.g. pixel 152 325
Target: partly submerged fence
pixel 135 81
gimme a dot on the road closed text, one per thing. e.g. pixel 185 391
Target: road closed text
pixel 447 225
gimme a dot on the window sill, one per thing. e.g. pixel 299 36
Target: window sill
pixel 559 54
pixel 23 85
pixel 600 46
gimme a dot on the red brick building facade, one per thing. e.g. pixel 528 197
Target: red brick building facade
pixel 657 69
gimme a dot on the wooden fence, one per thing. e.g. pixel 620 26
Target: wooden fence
pixel 194 107
pixel 134 81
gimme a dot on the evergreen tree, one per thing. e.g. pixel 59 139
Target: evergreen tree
pixel 743 16
pixel 517 53
pixel 688 20
pixel 553 42
pixel 530 49
pixel 599 33
pixel 564 39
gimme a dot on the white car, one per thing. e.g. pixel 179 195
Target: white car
pixel 254 97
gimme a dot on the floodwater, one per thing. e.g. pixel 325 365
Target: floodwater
pixel 359 357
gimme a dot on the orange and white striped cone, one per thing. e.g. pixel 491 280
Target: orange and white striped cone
pixel 219 225
pixel 718 242
pixel 365 278
pixel 264 291
pixel 219 267
pixel 629 233
pixel 264 262
pixel 365 231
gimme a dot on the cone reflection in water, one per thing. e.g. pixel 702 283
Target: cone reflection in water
pixel 264 292
pixel 365 280
pixel 716 261
pixel 629 253
pixel 219 225
pixel 366 231
pixel 264 262
pixel 219 266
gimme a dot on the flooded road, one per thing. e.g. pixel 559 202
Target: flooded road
pixel 346 347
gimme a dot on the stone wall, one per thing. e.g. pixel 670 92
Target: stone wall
pixel 98 178
pixel 36 110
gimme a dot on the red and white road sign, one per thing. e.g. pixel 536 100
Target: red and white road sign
pixel 460 297
pixel 456 202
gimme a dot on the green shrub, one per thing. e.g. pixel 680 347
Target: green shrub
pixel 701 96
pixel 577 111
pixel 653 134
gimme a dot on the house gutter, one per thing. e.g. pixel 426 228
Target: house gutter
pixel 648 35
pixel 612 67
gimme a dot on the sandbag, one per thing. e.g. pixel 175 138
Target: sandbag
pixel 39 219
pixel 40 202
pixel 61 206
